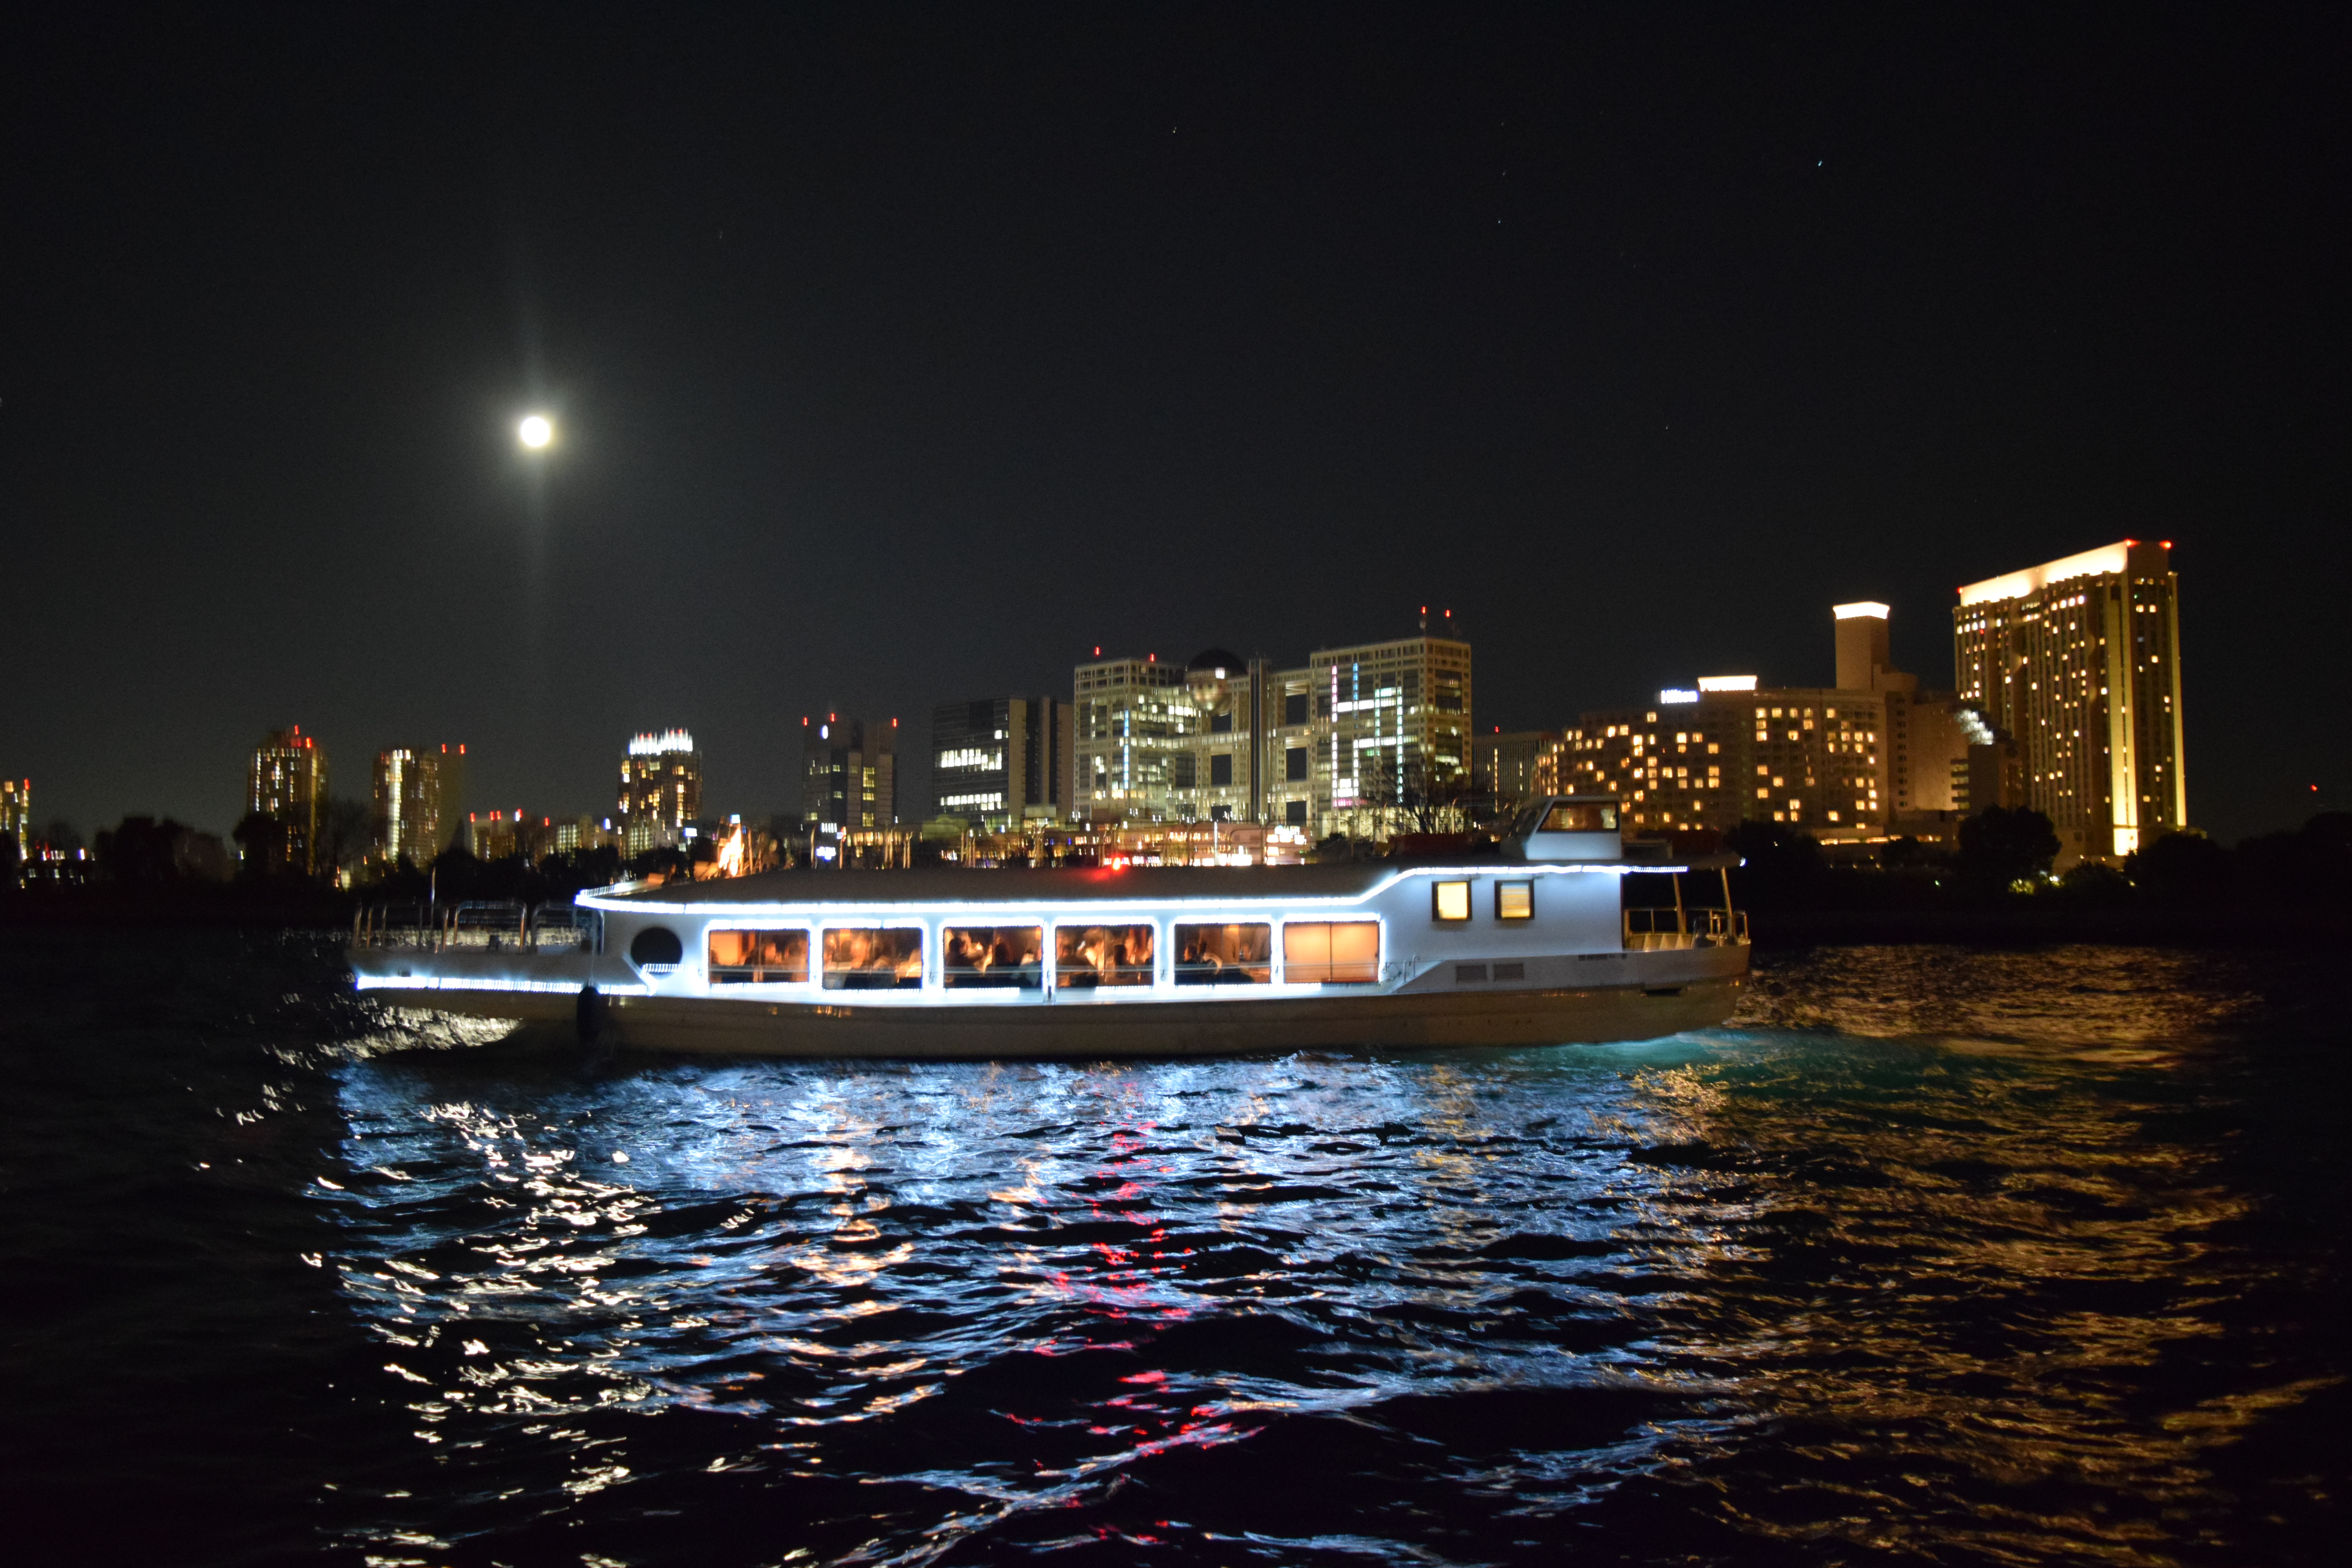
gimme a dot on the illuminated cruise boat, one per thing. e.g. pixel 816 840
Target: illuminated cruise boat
pixel 1532 943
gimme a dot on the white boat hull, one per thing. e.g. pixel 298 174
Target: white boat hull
pixel 1649 995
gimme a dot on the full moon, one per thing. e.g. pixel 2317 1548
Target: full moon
pixel 536 431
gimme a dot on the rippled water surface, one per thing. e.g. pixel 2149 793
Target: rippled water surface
pixel 1935 1256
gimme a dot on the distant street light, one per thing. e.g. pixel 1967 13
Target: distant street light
pixel 536 431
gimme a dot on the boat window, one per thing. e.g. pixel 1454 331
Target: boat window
pixel 758 957
pixel 992 955
pixel 1514 901
pixel 1224 955
pixel 1450 901
pixel 873 958
pixel 1582 817
pixel 655 945
pixel 1087 956
pixel 1331 951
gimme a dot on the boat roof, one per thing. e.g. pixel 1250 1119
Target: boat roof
pixel 1127 884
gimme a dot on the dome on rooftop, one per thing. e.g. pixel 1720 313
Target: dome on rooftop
pixel 1216 658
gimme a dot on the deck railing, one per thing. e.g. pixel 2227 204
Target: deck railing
pixel 510 925
pixel 1647 929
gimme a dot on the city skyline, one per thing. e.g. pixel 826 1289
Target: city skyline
pixel 1621 347
pixel 1873 757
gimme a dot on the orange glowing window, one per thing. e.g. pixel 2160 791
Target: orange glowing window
pixel 758 957
pixel 1450 901
pixel 1331 952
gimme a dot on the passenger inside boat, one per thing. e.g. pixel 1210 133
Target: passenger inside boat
pixel 1225 954
pixel 993 956
pixel 873 958
pixel 1089 956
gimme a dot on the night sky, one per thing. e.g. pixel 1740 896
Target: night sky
pixel 905 356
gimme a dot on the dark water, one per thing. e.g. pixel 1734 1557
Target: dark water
pixel 1937 1256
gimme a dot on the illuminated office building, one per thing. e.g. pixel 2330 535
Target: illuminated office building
pixel 1392 724
pixel 661 790
pixel 849 775
pixel 1132 744
pixel 1286 749
pixel 1340 744
pixel 16 815
pixel 419 796
pixel 1001 759
pixel 2079 662
pixel 1230 764
pixel 288 785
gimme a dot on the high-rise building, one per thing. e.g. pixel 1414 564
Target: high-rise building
pixel 661 790
pixel 1392 725
pixel 16 815
pixel 287 784
pixel 419 796
pixel 1132 743
pixel 1000 759
pixel 849 775
pixel 2079 662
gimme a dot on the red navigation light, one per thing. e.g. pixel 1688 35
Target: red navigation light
pixel 832 718
pixel 2131 542
pixel 894 724
pixel 1151 657
pixel 2164 545
pixel 803 720
pixel 1097 650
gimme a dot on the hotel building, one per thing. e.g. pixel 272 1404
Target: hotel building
pixel 418 796
pixel 1001 759
pixel 661 790
pixel 287 782
pixel 1869 758
pixel 2079 662
pixel 1731 753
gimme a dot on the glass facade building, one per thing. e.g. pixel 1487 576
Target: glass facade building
pixel 1001 759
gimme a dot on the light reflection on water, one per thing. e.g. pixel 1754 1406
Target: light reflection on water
pixel 1897 1266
